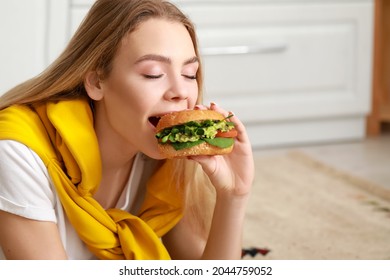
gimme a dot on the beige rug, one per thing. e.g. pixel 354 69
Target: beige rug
pixel 302 209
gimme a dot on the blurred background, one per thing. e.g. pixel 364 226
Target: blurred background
pixel 304 75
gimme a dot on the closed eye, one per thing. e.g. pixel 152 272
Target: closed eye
pixel 191 77
pixel 152 76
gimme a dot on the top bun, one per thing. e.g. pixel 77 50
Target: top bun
pixel 181 117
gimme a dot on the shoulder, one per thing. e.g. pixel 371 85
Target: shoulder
pixel 25 186
pixel 15 154
pixel 15 149
pixel 23 124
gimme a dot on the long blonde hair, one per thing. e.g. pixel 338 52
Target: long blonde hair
pixel 92 48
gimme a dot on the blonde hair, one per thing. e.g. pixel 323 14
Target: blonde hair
pixel 92 48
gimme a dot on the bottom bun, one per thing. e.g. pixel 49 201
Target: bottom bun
pixel 203 149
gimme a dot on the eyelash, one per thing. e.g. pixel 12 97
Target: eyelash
pixel 153 77
pixel 191 77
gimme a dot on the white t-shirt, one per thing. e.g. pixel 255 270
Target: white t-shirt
pixel 27 190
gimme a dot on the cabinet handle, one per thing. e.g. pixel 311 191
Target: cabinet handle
pixel 234 50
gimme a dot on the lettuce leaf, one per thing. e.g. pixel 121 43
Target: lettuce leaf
pixel 218 142
pixel 185 145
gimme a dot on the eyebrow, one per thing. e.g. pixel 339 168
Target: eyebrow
pixel 164 59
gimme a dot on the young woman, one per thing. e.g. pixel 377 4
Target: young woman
pixel 80 173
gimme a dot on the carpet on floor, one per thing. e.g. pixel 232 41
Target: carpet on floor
pixel 303 209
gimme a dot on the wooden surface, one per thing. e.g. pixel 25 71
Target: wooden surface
pixel 380 113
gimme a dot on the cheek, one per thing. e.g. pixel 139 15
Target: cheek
pixel 122 91
pixel 194 97
pixel 118 102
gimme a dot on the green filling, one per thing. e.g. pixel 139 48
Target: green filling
pixel 194 133
pixel 218 142
pixel 185 145
pixel 221 142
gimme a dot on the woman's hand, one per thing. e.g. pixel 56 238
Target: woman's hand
pixel 231 174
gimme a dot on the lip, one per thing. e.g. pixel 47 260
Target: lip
pixel 154 119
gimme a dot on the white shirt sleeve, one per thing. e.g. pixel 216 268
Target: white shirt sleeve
pixel 25 186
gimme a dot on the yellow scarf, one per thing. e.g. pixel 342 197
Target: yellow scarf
pixel 63 136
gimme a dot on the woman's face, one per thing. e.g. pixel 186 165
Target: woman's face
pixel 153 73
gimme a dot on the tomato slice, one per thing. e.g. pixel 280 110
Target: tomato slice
pixel 228 134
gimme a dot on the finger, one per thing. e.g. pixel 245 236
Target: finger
pixel 242 134
pixel 240 127
pixel 215 107
pixel 208 163
pixel 200 107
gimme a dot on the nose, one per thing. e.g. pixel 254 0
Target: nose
pixel 178 90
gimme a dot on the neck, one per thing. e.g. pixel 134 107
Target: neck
pixel 113 182
pixel 117 161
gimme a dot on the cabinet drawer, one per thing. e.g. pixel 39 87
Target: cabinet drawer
pixel 280 64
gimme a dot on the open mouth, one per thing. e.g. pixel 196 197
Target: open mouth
pixel 154 120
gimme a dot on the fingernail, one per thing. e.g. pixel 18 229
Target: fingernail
pixel 197 107
pixel 213 104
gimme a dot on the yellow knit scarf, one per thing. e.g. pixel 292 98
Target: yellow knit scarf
pixel 63 136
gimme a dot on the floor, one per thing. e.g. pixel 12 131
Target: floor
pixel 368 158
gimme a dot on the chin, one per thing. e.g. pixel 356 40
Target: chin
pixel 156 157
pixel 153 153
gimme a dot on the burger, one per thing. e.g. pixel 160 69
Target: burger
pixel 195 132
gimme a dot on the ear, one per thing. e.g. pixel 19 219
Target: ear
pixel 92 86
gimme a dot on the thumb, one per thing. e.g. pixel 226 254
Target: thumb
pixel 209 163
